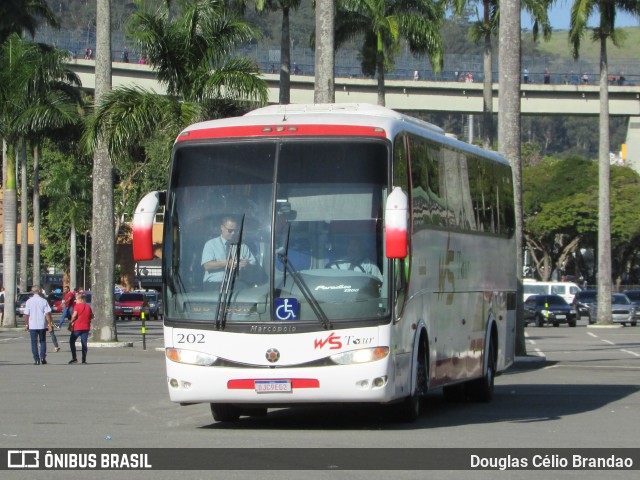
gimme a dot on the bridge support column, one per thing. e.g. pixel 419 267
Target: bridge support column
pixel 632 158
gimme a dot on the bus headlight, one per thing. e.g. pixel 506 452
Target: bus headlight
pixel 365 355
pixel 190 357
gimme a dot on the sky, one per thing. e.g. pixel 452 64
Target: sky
pixel 560 14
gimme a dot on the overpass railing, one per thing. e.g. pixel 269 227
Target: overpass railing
pixel 563 70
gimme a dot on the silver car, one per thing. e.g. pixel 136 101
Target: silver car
pixel 623 310
pixel 21 301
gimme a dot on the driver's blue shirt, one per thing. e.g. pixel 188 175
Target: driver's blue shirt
pixel 215 250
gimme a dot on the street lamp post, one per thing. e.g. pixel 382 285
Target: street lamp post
pixel 84 268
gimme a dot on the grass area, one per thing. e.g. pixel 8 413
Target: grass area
pixel 558 45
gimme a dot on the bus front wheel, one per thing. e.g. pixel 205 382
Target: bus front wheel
pixel 481 390
pixel 409 409
pixel 223 412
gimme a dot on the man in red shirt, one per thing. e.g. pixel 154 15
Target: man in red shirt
pixel 68 301
pixel 80 325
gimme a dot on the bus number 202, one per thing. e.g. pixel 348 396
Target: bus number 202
pixel 191 338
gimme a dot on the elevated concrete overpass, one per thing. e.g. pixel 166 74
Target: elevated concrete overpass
pixel 414 97
pixel 411 96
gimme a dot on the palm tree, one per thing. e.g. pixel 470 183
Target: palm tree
pixel 285 42
pixel 482 31
pixel 190 56
pixel 30 102
pixel 68 188
pixel 24 217
pixel 324 89
pixel 18 16
pixel 382 23
pixel 509 134
pixel 50 102
pixel 581 11
pixel 103 245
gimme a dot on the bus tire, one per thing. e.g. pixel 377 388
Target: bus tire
pixel 409 409
pixel 481 390
pixel 223 412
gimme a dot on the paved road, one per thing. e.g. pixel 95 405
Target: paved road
pixel 586 394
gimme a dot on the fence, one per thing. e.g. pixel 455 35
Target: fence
pixel 347 61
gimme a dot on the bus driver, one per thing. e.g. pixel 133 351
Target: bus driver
pixel 216 252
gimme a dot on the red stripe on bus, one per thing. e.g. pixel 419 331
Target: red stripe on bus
pixel 249 383
pixel 281 131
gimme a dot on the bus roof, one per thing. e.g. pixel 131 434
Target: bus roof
pixel 349 118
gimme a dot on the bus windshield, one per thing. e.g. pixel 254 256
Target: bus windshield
pixel 276 230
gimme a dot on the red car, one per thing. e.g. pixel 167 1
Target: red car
pixel 131 305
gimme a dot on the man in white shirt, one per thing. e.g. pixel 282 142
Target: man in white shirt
pixel 37 318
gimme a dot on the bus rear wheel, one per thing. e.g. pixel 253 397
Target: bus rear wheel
pixel 223 412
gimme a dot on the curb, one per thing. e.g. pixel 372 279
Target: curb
pixel 110 344
pixel 600 325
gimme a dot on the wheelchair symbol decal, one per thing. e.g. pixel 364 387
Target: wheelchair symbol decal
pixel 287 309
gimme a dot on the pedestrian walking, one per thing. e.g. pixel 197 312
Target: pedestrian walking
pixel 68 301
pixel 80 325
pixel 37 319
pixel 525 75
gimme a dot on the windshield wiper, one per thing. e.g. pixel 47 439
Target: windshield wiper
pixel 231 269
pixel 302 285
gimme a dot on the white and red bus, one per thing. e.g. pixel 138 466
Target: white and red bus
pixel 382 261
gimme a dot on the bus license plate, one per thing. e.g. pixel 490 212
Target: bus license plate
pixel 272 386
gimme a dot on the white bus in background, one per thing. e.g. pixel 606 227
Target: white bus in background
pixel 310 322
pixel 566 290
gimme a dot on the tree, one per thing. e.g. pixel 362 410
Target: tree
pixel 509 134
pixel 18 16
pixel 324 89
pixel 67 187
pixel 382 24
pixel 190 56
pixel 581 11
pixel 51 100
pixel 285 42
pixel 33 83
pixel 561 212
pixel 482 31
pixel 103 241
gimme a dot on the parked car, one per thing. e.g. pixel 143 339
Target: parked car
pixel 623 310
pixel 634 296
pixel 155 303
pixel 131 305
pixel 55 302
pixel 553 309
pixel 21 301
pixel 582 301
